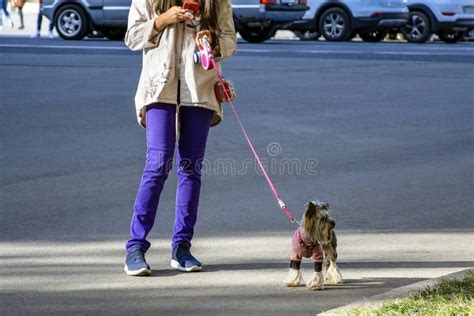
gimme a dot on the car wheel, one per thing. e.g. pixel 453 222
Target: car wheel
pixel 114 34
pixel 307 35
pixel 418 27
pixel 451 37
pixel 71 22
pixel 334 25
pixel 257 34
pixel 372 36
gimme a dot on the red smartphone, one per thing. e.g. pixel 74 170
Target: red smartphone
pixel 191 6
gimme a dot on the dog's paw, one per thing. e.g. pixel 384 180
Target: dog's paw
pixel 333 276
pixel 316 282
pixel 294 278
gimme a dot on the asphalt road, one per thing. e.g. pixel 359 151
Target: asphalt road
pixel 381 131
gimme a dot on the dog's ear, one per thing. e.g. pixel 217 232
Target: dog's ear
pixel 329 227
pixel 309 215
pixel 325 206
pixel 310 208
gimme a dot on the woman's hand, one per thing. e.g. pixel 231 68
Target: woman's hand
pixel 203 34
pixel 171 16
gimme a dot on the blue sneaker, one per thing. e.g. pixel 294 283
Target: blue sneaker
pixel 135 263
pixel 183 260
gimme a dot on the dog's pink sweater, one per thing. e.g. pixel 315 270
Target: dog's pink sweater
pixel 303 247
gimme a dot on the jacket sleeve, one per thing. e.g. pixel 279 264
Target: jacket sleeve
pixel 226 32
pixel 140 30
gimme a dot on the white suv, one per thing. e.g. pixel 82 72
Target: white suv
pixel 451 20
pixel 344 19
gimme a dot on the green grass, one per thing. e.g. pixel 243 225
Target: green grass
pixel 452 297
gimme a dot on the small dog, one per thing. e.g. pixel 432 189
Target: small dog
pixel 315 238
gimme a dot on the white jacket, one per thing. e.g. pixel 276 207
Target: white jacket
pixel 168 57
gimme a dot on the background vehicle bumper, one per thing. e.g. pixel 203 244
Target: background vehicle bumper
pixel 276 15
pixel 385 20
pixel 286 8
pixel 302 25
pixel 458 25
pixel 284 13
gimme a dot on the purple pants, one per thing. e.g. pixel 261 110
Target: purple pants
pixel 161 138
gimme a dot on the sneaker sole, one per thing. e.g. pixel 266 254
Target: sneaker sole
pixel 175 264
pixel 141 272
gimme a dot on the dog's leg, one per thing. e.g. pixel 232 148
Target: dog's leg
pixel 294 278
pixel 317 281
pixel 325 262
pixel 333 275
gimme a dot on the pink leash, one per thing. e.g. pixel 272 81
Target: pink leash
pixel 283 207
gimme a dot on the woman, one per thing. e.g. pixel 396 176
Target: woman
pixel 174 96
pixel 39 22
pixel 6 13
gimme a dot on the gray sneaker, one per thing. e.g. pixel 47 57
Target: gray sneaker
pixel 183 260
pixel 135 263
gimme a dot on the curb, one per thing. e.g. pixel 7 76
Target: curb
pixel 401 292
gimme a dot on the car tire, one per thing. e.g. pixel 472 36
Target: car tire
pixel 451 37
pixel 308 35
pixel 114 34
pixel 372 36
pixel 71 22
pixel 335 25
pixel 257 34
pixel 418 27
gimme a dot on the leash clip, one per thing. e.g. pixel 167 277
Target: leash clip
pixel 294 221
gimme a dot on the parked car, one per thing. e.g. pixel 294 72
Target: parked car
pixel 451 20
pixel 74 19
pixel 258 20
pixel 342 20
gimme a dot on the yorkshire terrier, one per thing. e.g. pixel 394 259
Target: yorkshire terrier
pixel 315 238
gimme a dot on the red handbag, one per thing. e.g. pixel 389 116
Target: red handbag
pixel 221 93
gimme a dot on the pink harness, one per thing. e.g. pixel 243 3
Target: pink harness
pixel 303 247
pixel 308 245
